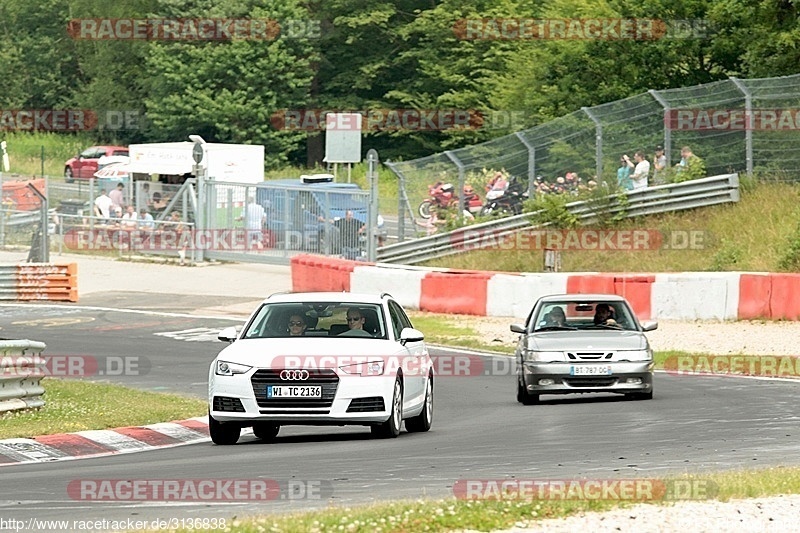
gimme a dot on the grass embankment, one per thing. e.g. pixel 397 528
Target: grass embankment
pixel 755 234
pixel 459 515
pixel 73 405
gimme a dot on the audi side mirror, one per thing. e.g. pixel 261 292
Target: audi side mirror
pixel 228 334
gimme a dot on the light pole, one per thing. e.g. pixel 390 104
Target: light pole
pixel 198 154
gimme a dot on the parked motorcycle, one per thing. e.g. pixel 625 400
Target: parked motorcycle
pixel 508 200
pixel 442 195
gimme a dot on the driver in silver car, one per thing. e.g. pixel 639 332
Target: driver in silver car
pixel 604 315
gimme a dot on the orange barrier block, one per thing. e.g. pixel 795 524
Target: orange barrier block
pixel 455 292
pixel 784 301
pixel 637 290
pixel 755 293
pixel 591 284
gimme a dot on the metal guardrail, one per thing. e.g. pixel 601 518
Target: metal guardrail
pixel 21 370
pixel 660 199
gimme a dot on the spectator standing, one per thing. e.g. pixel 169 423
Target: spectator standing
pixel 102 206
pixel 624 174
pixel 255 217
pixel 176 225
pixel 640 173
pixel 350 230
pixel 117 196
pixel 690 167
pixel 659 166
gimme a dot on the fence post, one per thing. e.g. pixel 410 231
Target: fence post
pixel 598 142
pixel 402 201
pixel 3 212
pixel 531 162
pixel 667 126
pixel 461 179
pixel 372 220
pixel 748 121
pixel 44 241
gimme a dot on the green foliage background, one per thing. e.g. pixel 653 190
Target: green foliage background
pixel 372 54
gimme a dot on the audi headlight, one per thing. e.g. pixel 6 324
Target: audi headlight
pixel 224 368
pixel 371 368
pixel 542 357
pixel 634 355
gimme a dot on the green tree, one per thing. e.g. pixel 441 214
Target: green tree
pixel 227 91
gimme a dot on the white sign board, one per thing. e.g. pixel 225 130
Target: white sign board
pixel 343 137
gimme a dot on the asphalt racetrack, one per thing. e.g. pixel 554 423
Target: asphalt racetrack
pixel 694 424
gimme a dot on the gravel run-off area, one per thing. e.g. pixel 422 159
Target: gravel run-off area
pixel 718 338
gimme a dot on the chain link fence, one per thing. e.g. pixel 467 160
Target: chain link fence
pixel 734 125
pixel 265 222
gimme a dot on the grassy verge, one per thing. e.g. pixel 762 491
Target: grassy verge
pixel 450 331
pixel 449 515
pixel 73 405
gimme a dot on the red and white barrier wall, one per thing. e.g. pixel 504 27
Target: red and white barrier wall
pixel 680 295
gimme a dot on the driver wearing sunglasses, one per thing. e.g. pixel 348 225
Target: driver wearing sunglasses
pixel 297 326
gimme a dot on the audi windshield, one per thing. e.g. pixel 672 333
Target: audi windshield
pixel 317 319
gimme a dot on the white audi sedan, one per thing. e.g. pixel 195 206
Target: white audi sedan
pixel 321 359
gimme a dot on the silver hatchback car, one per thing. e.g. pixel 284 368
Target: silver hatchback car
pixel 580 343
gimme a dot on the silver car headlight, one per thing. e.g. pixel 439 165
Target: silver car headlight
pixel 634 355
pixel 532 356
pixel 224 368
pixel 371 368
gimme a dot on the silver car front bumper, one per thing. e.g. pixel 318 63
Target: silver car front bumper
pixel 566 377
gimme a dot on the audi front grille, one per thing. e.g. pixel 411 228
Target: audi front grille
pixel 324 377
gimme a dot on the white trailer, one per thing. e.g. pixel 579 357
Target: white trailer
pixel 237 163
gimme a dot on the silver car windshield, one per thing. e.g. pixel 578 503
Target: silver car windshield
pixel 581 315
pixel 317 319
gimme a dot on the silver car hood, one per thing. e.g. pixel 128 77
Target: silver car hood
pixel 562 341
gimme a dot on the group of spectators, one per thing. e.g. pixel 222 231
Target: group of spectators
pixel 632 174
pixel 570 183
pixel 111 209
pixel 636 175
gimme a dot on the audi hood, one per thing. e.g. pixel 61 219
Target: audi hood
pixel 261 352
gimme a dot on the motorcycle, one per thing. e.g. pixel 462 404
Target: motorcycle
pixel 509 199
pixel 442 195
